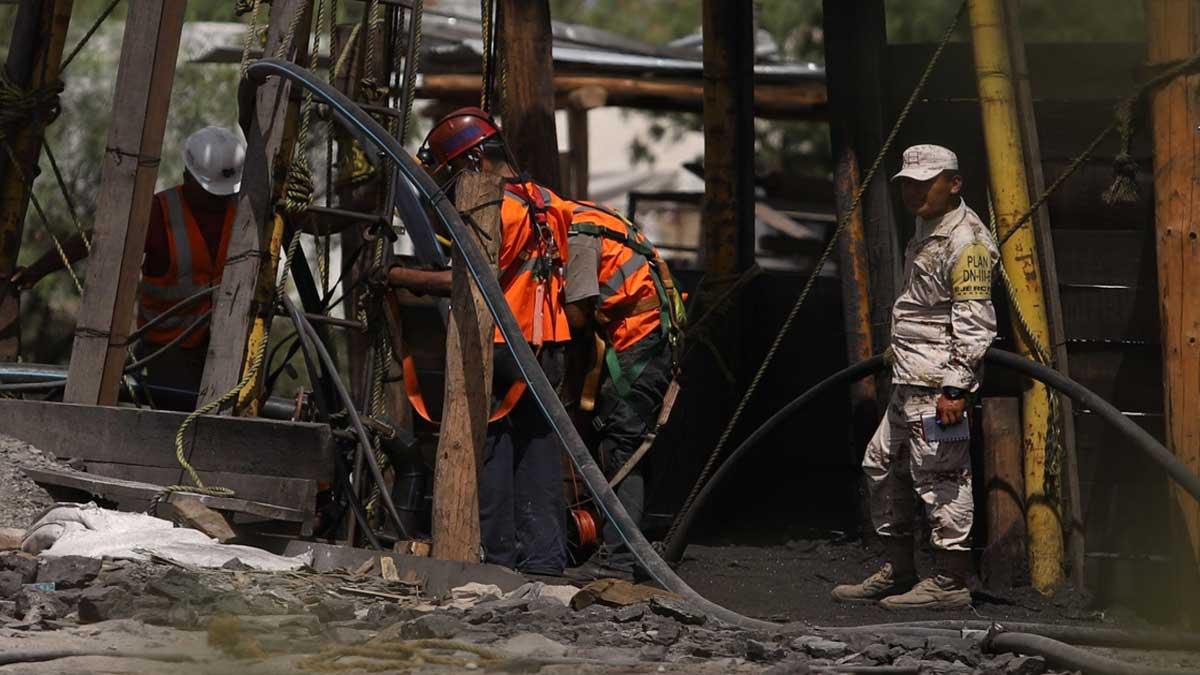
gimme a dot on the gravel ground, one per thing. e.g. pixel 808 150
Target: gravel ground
pixel 21 500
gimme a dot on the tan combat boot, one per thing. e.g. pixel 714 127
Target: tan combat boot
pixel 946 590
pixel 874 588
pixel 896 576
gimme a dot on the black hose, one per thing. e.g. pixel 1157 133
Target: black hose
pixel 371 134
pixel 1087 636
pixel 169 312
pixel 1052 378
pixel 1062 655
pixel 331 371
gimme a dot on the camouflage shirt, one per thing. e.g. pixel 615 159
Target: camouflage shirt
pixel 943 320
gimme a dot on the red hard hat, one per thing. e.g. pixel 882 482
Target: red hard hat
pixel 457 133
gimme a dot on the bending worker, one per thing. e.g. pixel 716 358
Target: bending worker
pixel 186 240
pixel 521 502
pixel 619 288
pixel 942 323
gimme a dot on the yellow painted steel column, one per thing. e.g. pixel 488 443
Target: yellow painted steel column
pixel 248 399
pixel 1009 187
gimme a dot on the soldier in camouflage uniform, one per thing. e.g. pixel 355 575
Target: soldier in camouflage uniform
pixel 942 323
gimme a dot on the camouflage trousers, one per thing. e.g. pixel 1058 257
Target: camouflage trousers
pixel 902 467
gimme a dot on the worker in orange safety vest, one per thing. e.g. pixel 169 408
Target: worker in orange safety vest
pixel 521 503
pixel 186 241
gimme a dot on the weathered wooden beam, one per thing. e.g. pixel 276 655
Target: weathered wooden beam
pixel 1174 34
pixel 528 99
pixel 34 53
pixel 855 45
pixel 727 240
pixel 130 167
pixel 1004 483
pixel 133 494
pixel 579 102
pixel 269 127
pixel 855 272
pixel 147 438
pixel 1045 241
pixel 802 100
pixel 468 389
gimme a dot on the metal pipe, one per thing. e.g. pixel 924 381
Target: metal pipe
pixel 1010 193
pixel 331 373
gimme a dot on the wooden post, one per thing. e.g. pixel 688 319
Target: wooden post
pixel 1045 243
pixel 856 312
pixel 727 243
pixel 528 98
pixel 34 54
pixel 130 167
pixel 468 392
pixel 1004 482
pixel 1174 33
pixel 269 135
pixel 579 102
pixel 855 46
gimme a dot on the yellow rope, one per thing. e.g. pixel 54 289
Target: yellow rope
pixel 251 372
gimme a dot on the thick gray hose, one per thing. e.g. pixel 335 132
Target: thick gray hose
pixel 1077 635
pixel 368 131
pixel 1062 655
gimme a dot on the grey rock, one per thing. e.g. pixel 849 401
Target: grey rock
pixel 431 626
pixel 10 584
pixel 679 610
pixel 387 613
pixel 101 603
pixel 1026 665
pixel 629 613
pixel 477 637
pixel 953 649
pixel 654 653
pixel 757 650
pixel 820 647
pixel 332 609
pixel 21 563
pixel 531 644
pixel 908 642
pixel 348 636
pixel 69 571
pixel 34 606
pixel 667 634
pixel 177 584
pixel 477 617
pixel 877 653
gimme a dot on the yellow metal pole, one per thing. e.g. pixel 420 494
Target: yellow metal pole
pixel 248 399
pixel 1009 187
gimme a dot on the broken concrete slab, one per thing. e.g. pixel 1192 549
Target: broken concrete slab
pixel 678 609
pixel 437 577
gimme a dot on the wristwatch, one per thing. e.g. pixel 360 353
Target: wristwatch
pixel 953 393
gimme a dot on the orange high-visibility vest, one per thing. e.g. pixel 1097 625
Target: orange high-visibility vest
pixel 629 307
pixel 534 223
pixel 191 269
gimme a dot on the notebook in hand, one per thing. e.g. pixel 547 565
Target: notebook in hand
pixel 935 432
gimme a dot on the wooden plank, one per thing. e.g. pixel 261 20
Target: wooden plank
pixel 294 493
pixel 35 50
pixel 1004 483
pixel 528 100
pixel 1106 257
pixel 1104 313
pixel 127 174
pixel 147 437
pixel 802 100
pixel 1173 27
pixel 133 492
pixel 268 128
pixel 468 391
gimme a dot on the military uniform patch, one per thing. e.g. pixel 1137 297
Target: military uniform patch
pixel 972 275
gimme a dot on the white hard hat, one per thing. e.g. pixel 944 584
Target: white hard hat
pixel 922 162
pixel 214 156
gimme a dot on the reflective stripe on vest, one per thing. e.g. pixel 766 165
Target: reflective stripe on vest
pixel 617 280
